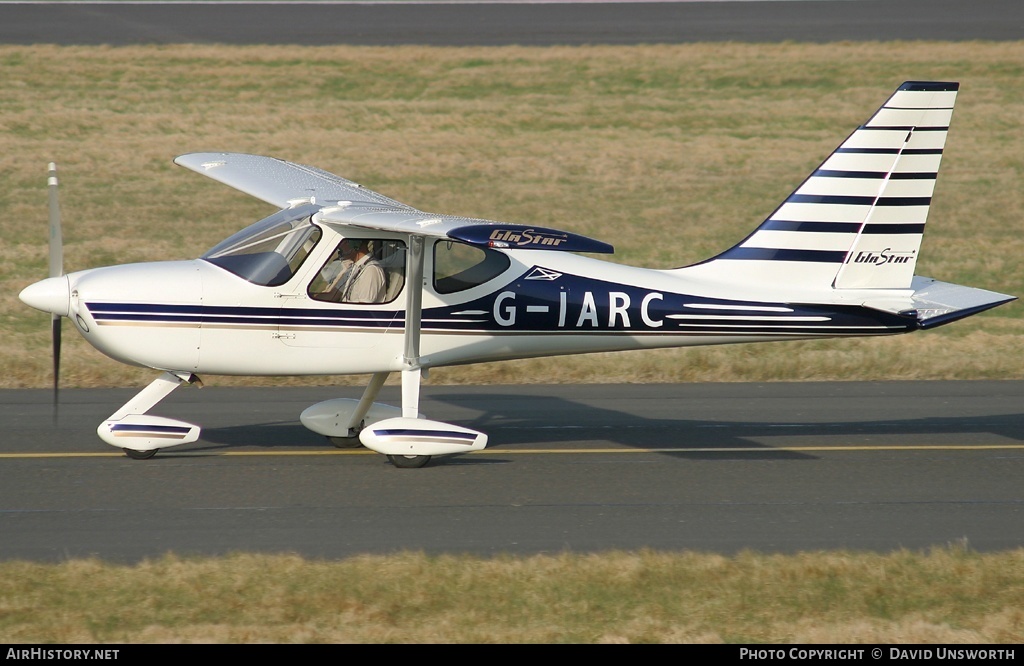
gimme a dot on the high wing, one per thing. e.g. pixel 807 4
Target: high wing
pixel 344 203
pixel 282 183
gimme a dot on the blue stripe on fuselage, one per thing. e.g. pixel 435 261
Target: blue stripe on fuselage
pixel 565 304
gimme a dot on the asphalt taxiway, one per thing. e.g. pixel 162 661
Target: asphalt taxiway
pixel 536 23
pixel 713 467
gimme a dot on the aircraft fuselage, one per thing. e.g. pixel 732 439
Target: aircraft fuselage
pixel 197 317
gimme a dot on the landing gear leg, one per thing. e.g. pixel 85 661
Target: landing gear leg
pixel 412 373
pixel 410 440
pixel 357 420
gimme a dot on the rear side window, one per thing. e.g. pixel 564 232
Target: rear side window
pixel 458 266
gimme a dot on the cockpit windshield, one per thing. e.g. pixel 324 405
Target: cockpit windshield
pixel 270 251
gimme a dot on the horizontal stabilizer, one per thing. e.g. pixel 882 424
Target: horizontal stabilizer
pixel 939 303
pixel 936 303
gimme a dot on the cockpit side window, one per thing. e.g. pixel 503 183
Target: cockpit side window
pixel 361 270
pixel 459 266
pixel 270 252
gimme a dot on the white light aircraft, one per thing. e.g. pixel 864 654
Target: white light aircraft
pixel 342 280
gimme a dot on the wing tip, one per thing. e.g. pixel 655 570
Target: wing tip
pixel 930 86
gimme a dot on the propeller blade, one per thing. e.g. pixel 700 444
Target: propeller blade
pixel 55 331
pixel 56 242
pixel 56 270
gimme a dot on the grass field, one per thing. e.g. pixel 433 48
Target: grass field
pixel 672 153
pixel 945 596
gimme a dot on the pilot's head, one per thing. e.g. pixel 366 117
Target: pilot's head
pixel 350 246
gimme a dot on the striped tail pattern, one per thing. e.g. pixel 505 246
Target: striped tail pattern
pixel 857 221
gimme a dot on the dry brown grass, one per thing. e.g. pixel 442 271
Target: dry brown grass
pixel 694 144
pixel 943 596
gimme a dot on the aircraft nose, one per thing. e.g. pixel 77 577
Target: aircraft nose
pixel 50 295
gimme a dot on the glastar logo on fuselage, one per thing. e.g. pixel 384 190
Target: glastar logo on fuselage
pixel 526 238
pixel 885 257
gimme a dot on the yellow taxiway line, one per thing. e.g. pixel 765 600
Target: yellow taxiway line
pixel 515 452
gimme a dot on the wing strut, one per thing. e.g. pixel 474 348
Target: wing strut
pixel 413 311
pixel 410 440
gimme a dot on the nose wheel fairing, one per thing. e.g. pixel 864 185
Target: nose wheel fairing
pixel 138 433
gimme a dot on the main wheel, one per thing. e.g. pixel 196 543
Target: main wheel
pixel 135 454
pixel 409 462
pixel 345 442
pixel 351 441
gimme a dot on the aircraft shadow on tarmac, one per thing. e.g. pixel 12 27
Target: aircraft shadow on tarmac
pixel 552 423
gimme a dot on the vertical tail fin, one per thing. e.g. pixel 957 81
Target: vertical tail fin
pixel 858 220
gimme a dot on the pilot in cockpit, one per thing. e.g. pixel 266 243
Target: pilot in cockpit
pixel 354 276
